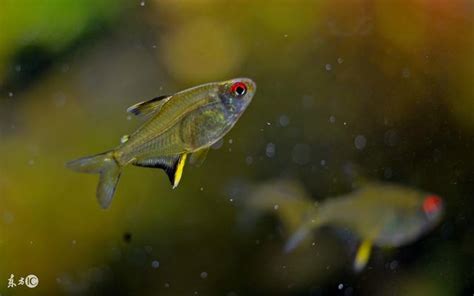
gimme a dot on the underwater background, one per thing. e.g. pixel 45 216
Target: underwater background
pixel 347 91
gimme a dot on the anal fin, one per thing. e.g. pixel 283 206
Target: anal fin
pixel 363 255
pixel 172 165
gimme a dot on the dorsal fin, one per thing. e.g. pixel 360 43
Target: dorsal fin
pixel 148 107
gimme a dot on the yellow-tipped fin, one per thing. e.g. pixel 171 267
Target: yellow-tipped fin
pixel 172 165
pixel 179 170
pixel 363 255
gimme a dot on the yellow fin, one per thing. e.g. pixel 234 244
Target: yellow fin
pixel 179 170
pixel 363 255
pixel 172 165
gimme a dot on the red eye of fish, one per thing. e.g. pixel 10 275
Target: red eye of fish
pixel 431 204
pixel 238 89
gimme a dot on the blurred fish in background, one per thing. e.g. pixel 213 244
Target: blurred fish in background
pixel 381 214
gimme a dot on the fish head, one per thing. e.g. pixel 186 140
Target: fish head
pixel 432 208
pixel 405 214
pixel 236 94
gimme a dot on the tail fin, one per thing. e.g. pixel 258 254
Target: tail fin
pixel 287 199
pixel 109 170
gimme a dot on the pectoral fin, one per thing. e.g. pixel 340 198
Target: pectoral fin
pixel 148 107
pixel 363 255
pixel 172 165
pixel 198 157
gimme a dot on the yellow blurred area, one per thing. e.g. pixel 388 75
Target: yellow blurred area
pixel 201 50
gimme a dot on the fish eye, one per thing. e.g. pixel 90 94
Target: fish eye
pixel 431 204
pixel 238 89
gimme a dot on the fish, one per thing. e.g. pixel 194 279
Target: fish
pixel 177 127
pixel 286 198
pixel 380 214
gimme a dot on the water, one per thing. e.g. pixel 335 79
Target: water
pixel 383 90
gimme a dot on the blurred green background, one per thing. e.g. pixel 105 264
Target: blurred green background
pixel 385 87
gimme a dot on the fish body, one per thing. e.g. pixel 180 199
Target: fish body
pixel 186 123
pixel 381 214
pixel 387 214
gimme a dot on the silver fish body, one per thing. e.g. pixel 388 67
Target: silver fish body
pixel 186 123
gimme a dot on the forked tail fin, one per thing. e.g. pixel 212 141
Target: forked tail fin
pixel 109 170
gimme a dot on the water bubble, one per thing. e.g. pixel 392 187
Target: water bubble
pixel 269 123
pixel 340 286
pixel 10 94
pixel 231 141
pixel 286 35
pixel 328 67
pixel 270 150
pixel 360 142
pixel 332 119
pixel 276 207
pixel 340 60
pixel 142 3
pixel 167 285
pixel 323 162
pixel 283 120
pixel 203 275
pixel 155 264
